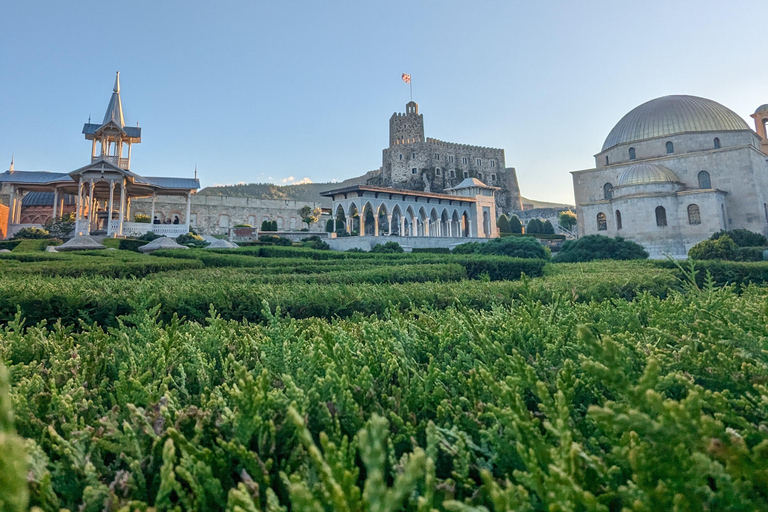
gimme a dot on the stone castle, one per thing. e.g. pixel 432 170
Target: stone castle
pixel 414 162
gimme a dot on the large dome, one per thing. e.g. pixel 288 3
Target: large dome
pixel 669 115
pixel 642 173
pixel 762 108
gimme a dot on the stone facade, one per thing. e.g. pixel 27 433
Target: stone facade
pixel 214 215
pixel 715 179
pixel 414 162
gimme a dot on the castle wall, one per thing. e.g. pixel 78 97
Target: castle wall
pixel 212 215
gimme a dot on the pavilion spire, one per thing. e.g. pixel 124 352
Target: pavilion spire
pixel 115 107
pixel 11 169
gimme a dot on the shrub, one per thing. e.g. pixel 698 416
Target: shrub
pixel 191 240
pixel 387 248
pixel 431 250
pixel 749 254
pixel 518 247
pixel 742 237
pixel 355 250
pixel 467 248
pixel 504 225
pixel 515 226
pixel 534 226
pixel 31 234
pixel 269 225
pixel 721 248
pixel 141 218
pixel 149 236
pixel 547 228
pixel 61 227
pixel 598 247
pixel 131 245
pixel 315 242
pixel 242 226
pixel 9 244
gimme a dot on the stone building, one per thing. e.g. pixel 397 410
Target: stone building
pixel 673 171
pixel 414 162
pixel 214 215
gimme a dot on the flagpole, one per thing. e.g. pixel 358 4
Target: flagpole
pixel 410 84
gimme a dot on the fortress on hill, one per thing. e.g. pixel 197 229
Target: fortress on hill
pixel 415 162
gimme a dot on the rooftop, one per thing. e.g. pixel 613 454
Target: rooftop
pixel 395 191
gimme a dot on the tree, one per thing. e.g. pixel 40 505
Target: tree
pixel 503 224
pixel 547 228
pixel 515 226
pixel 309 216
pixel 567 219
pixel 742 237
pixel 534 226
pixel 269 225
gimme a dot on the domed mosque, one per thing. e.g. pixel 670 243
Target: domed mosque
pixel 672 172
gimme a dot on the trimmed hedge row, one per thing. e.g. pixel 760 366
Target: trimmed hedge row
pixel 9 244
pixel 738 273
pixel 98 299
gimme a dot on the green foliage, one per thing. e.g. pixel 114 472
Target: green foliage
pixel 503 224
pixel 149 236
pixel 547 228
pixel 534 226
pixel 276 240
pixel 431 250
pixel 517 247
pixel 61 227
pixel 598 247
pixel 141 218
pixel 515 226
pixel 31 234
pixel 14 494
pixel 721 248
pixel 387 248
pixel 309 215
pixel 743 237
pixel 242 226
pixel 191 240
pixel 567 219
pixel 268 225
pixel 316 243
pixel 9 244
pixel 127 244
pixel 468 396
pixel 36 245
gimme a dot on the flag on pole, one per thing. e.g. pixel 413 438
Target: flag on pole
pixel 406 78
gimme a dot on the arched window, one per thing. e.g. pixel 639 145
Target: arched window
pixel 661 216
pixel 632 153
pixel 694 214
pixel 607 191
pixel 602 223
pixel 480 176
pixel 224 221
pixel 606 160
pixel 670 147
pixel 438 172
pixel 717 143
pixel 704 180
pixel 618 219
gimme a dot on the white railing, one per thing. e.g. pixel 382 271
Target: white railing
pixel 123 163
pixel 171 230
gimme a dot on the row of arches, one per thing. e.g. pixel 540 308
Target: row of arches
pixel 413 220
pixel 704 179
pixel 694 217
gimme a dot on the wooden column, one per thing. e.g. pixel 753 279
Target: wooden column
pixel 110 207
pixel 55 202
pixel 152 213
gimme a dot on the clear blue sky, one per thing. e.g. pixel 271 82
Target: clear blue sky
pixel 265 91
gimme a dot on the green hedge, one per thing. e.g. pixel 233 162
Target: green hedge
pixel 431 250
pixel 131 245
pixel 738 273
pixel 9 244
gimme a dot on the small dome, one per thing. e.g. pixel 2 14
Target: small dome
pixel 670 115
pixel 642 173
pixel 762 108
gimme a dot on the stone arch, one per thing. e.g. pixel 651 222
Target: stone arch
pixel 445 223
pixel 434 219
pixel 455 223
pixel 353 218
pixel 466 224
pixel 397 222
pixel 412 220
pixel 383 215
pixel 423 222
pixel 368 227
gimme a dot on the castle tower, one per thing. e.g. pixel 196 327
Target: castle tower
pixel 406 128
pixel 112 140
pixel 761 126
